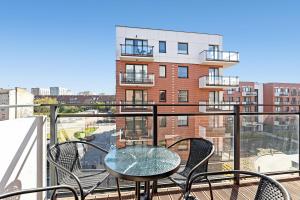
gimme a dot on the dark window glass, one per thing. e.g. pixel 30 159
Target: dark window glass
pixel 183 72
pixel 162 47
pixel 162 95
pixel 183 48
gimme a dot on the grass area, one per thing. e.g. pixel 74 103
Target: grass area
pixel 87 132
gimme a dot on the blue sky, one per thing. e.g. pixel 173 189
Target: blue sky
pixel 71 43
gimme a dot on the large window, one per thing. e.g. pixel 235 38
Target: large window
pixel 136 96
pixel 136 73
pixel 183 48
pixel 136 127
pixel 183 96
pixel 162 71
pixel 182 121
pixel 162 47
pixel 162 95
pixel 136 46
pixel 183 72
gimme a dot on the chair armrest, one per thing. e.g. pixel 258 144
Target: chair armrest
pixel 181 140
pixel 91 144
pixel 18 193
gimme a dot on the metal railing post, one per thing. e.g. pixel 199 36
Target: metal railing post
pixel 299 138
pixel 53 140
pixel 237 143
pixel 154 125
pixel 154 112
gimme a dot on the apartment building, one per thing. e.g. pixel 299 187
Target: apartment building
pixel 40 91
pixel 16 96
pixel 284 97
pixel 249 95
pixel 171 67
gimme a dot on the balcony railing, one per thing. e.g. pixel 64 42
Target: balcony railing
pixel 237 147
pixel 218 81
pixel 249 93
pixel 136 106
pixel 136 50
pixel 219 57
pixel 133 79
pixel 205 106
pixel 281 94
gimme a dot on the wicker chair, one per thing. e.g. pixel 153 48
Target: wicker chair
pixel 66 159
pixel 17 194
pixel 268 188
pixel 200 150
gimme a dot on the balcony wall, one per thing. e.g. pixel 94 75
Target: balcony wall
pixel 23 154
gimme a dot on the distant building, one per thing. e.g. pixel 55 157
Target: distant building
pixel 40 91
pixel 17 96
pixel 249 95
pixel 82 99
pixel 56 91
pixel 284 97
pixel 86 93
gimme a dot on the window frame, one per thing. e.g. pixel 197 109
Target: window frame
pixel 187 48
pixel 165 71
pixel 165 46
pixel 163 121
pixel 183 125
pixel 165 91
pixel 187 71
pixel 187 96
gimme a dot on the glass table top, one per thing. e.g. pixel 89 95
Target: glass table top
pixel 141 163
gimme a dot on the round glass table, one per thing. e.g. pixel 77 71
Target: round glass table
pixel 142 164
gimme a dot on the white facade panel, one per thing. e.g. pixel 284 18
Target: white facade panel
pixel 197 42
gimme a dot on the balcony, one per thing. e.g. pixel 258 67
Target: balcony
pixel 136 52
pixel 136 106
pixel 218 82
pixel 251 151
pixel 219 58
pixel 249 93
pixel 216 106
pixel 277 94
pixel 137 79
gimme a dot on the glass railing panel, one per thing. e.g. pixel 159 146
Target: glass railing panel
pixel 269 143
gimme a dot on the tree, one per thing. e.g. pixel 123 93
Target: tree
pixel 44 100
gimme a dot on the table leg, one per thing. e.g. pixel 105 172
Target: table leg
pixel 138 190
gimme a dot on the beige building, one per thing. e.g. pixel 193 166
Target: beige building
pixel 16 96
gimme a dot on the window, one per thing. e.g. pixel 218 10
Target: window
pixel 135 96
pixel 183 95
pixel 182 121
pixel 183 48
pixel 136 47
pixel 162 47
pixel 135 127
pixel 162 71
pixel 163 121
pixel 182 72
pixel 162 95
pixel 247 109
pixel 136 73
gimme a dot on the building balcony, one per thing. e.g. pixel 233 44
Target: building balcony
pixel 137 79
pixel 136 106
pixel 136 52
pixel 249 102
pixel 218 82
pixel 277 94
pixel 216 106
pixel 223 58
pixel 249 93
